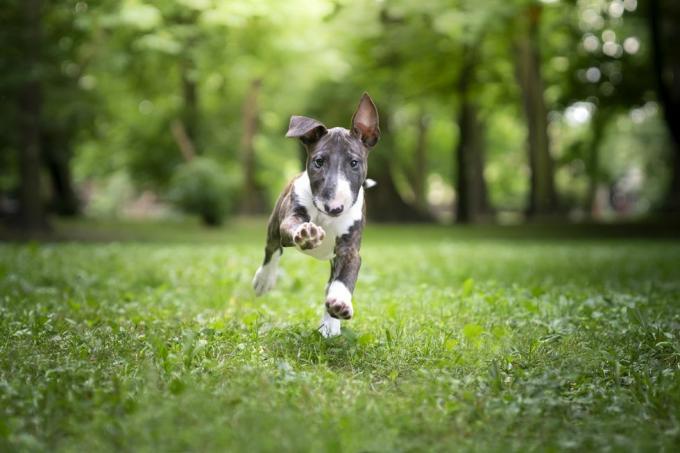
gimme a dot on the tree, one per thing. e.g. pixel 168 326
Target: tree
pixel 471 194
pixel 56 152
pixel 253 201
pixel 542 197
pixel 376 56
pixel 32 212
pixel 138 88
pixel 44 75
pixel 608 70
pixel 420 171
pixel 664 17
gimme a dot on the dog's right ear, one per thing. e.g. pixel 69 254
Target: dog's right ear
pixel 308 130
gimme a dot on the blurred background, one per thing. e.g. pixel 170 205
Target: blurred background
pixel 492 111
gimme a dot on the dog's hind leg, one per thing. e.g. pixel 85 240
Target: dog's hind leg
pixel 265 277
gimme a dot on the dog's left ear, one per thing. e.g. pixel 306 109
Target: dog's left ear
pixel 365 122
pixel 308 130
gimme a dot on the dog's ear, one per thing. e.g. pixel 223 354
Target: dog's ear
pixel 308 130
pixel 365 122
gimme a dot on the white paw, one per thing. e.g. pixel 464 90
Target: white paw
pixel 264 280
pixel 330 327
pixel 265 277
pixel 339 301
pixel 308 236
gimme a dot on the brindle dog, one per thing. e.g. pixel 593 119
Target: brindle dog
pixel 321 212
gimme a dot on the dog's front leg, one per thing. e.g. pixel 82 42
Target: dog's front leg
pixel 344 271
pixel 298 230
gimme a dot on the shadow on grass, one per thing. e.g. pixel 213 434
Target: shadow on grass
pixel 305 346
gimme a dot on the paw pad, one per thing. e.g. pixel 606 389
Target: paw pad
pixel 308 236
pixel 339 309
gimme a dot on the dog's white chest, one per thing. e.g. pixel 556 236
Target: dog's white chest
pixel 333 226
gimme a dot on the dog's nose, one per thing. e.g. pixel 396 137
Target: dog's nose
pixel 334 210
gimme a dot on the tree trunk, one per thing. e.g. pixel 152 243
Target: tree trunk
pixel 383 202
pixel 189 95
pixel 471 194
pixel 593 167
pixel 64 199
pixel 32 213
pixel 464 151
pixel 420 167
pixel 672 201
pixel 253 201
pixel 481 195
pixel 665 33
pixel 56 156
pixel 184 143
pixel 542 197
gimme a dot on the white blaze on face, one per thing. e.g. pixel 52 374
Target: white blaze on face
pixel 343 194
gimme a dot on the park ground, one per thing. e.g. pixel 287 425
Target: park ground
pixel 148 337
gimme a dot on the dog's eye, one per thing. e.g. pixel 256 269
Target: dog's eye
pixel 354 163
pixel 318 163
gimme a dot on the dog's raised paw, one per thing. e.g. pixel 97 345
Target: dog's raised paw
pixel 308 236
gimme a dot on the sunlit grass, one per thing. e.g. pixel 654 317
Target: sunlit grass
pixel 459 342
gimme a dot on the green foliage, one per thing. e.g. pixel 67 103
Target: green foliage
pixel 116 76
pixel 462 340
pixel 203 187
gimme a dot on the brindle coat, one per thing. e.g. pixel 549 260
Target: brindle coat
pixel 321 211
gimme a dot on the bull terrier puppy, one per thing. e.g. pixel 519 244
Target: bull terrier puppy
pixel 321 212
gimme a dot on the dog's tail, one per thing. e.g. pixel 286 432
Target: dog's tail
pixel 369 183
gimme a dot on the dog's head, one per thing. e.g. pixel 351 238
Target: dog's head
pixel 337 157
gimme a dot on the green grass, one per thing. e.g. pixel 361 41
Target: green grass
pixel 460 342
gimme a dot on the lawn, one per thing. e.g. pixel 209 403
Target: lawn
pixel 462 340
